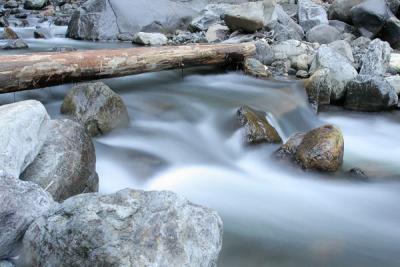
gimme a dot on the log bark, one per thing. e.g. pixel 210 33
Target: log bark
pixel 30 71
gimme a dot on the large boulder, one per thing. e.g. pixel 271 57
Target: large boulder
pixel 20 203
pixel 128 228
pixel 256 126
pixel 376 59
pixel 343 48
pixel 23 130
pixel 106 19
pixel 340 68
pixel 311 14
pixel 66 164
pixel 319 87
pixel 321 149
pixel 340 10
pixel 369 17
pixel 370 93
pixel 391 32
pixel 323 34
pixel 285 28
pixel 35 4
pixel 95 106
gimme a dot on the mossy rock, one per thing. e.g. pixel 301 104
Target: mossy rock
pixel 322 149
pixel 257 127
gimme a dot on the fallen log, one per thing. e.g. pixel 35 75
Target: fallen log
pixel 30 71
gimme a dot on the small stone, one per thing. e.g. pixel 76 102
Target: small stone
pixel 147 38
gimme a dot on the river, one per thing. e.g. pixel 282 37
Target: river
pixel 184 137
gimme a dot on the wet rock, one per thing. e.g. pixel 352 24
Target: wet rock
pixel 20 203
pixel 341 10
pixel 128 228
pixel 96 106
pixel 358 174
pixel 15 44
pixel 10 34
pixel 311 14
pixel 319 87
pixel 376 59
pixel 391 32
pixel 35 4
pixel 370 93
pixel 255 68
pixel 321 149
pixel 257 128
pixel 340 68
pixel 66 164
pixel 323 34
pixel 63 49
pixel 369 17
pixel 285 28
pixel 343 48
pixel 289 149
pixel 23 130
pixel 210 15
pixel 147 38
pixel 217 33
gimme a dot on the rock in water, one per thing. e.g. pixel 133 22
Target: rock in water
pixel 23 130
pixel 321 149
pixel 376 59
pixel 311 14
pixel 15 44
pixel 20 203
pixel 128 228
pixel 96 106
pixel 10 34
pixel 66 164
pixel 370 93
pixel 148 38
pixel 257 128
pixel 35 4
pixel 255 68
pixel 289 149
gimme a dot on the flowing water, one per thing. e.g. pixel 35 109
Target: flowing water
pixel 184 137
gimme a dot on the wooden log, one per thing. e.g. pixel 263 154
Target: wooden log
pixel 30 71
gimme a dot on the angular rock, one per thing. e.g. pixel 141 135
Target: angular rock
pixel 66 164
pixel 341 10
pixel 255 68
pixel 217 33
pixel 369 17
pixel 323 34
pixel 376 59
pixel 343 48
pixel 128 228
pixel 23 130
pixel 321 149
pixel 340 70
pixel 319 87
pixel 10 34
pixel 247 17
pixel 257 127
pixel 95 106
pixel 285 28
pixel 311 14
pixel 370 93
pixel 147 38
pixel 391 32
pixel 20 203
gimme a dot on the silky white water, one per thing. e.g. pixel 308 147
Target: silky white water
pixel 184 137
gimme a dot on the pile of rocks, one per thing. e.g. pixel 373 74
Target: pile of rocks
pixel 51 214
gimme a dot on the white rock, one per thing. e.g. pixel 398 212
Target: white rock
pixel 150 38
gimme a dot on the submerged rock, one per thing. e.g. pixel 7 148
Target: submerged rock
pixel 370 93
pixel 96 106
pixel 257 128
pixel 66 164
pixel 20 203
pixel 217 33
pixel 128 228
pixel 15 44
pixel 341 9
pixel 10 34
pixel 255 68
pixel 321 149
pixel 23 130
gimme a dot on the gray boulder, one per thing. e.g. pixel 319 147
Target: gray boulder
pixel 343 48
pixel 391 32
pixel 311 14
pixel 340 68
pixel 23 130
pixel 340 10
pixel 35 4
pixel 20 203
pixel 370 93
pixel 359 47
pixel 264 52
pixel 376 59
pixel 323 34
pixel 319 87
pixel 256 126
pixel 285 28
pixel 128 228
pixel 147 38
pixel 217 33
pixel 369 17
pixel 66 164
pixel 96 107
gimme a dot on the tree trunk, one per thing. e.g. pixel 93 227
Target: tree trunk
pixel 30 71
